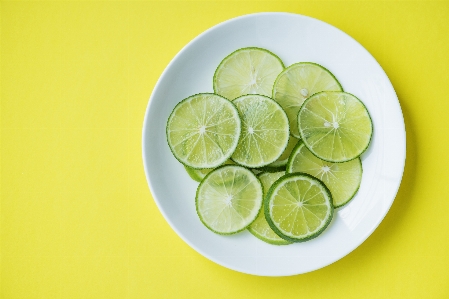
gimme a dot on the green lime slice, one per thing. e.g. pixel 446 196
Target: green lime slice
pixel 199 174
pixel 342 179
pixel 203 130
pixel 335 126
pixel 283 159
pixel 298 207
pixel 260 227
pixel 229 199
pixel 265 131
pixel 247 71
pixel 298 82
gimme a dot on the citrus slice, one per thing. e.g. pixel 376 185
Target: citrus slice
pixel 298 207
pixel 229 199
pixel 283 159
pixel 260 227
pixel 298 82
pixel 247 71
pixel 265 131
pixel 342 179
pixel 335 126
pixel 199 174
pixel 203 130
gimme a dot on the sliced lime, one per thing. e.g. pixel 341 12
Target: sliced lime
pixel 199 174
pixel 203 130
pixel 228 199
pixel 283 159
pixel 342 179
pixel 298 207
pixel 265 131
pixel 247 71
pixel 298 82
pixel 335 126
pixel 260 227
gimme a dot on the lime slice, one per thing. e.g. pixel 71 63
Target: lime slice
pixel 199 174
pixel 283 159
pixel 265 131
pixel 203 130
pixel 335 126
pixel 298 207
pixel 260 228
pixel 229 199
pixel 247 71
pixel 296 83
pixel 342 179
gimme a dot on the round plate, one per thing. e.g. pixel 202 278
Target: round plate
pixel 293 38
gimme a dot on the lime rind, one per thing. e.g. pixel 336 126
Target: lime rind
pixel 260 228
pixel 236 94
pixel 271 169
pixel 342 179
pixel 191 126
pixel 263 138
pixel 291 96
pixel 256 194
pixel 326 122
pixel 275 188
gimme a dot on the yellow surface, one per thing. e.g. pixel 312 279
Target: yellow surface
pixel 77 217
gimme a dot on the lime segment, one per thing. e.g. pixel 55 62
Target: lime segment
pixel 335 126
pixel 298 82
pixel 247 71
pixel 298 207
pixel 203 130
pixel 260 227
pixel 265 131
pixel 342 179
pixel 229 199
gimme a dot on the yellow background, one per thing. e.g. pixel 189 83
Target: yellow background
pixel 77 217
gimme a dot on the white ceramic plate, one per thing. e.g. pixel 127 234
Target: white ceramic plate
pixel 293 38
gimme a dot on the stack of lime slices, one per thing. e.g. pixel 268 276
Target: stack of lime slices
pixel 295 127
